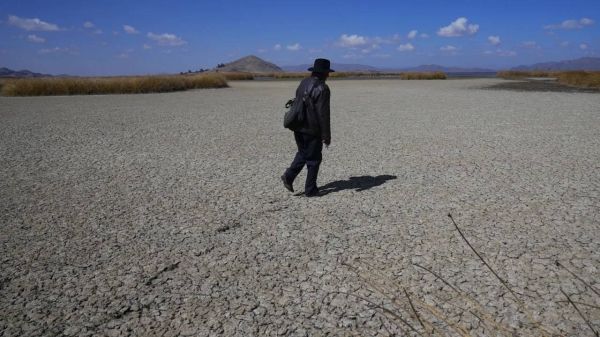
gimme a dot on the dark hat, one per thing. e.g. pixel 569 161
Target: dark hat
pixel 321 66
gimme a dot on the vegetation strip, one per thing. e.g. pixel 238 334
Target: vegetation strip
pixel 111 85
pixel 589 79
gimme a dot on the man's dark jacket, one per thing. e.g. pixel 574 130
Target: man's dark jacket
pixel 317 121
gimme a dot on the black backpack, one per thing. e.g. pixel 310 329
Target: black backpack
pixel 297 113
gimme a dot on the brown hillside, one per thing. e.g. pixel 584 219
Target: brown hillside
pixel 249 64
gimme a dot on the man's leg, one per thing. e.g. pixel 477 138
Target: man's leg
pixel 299 161
pixel 313 156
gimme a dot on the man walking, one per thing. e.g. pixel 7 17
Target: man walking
pixel 314 131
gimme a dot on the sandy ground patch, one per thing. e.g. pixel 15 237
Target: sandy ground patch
pixel 164 214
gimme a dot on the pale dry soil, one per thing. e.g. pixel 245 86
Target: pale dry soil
pixel 164 214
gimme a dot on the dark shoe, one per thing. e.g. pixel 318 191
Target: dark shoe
pixel 318 194
pixel 286 184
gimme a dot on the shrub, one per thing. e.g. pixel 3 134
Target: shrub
pixel 111 85
pixel 590 79
pixel 238 76
pixel 438 75
pixel 525 73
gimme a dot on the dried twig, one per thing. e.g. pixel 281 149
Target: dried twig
pixel 579 278
pixel 537 324
pixel 415 311
pixel 377 306
pixel 579 312
pixel 468 300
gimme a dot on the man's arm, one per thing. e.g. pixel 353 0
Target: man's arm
pixel 323 112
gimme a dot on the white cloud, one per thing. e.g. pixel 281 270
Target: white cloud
pixel 458 28
pixel 366 51
pixel 169 51
pixel 583 46
pixel 129 50
pixel 104 43
pixel 586 22
pixel 352 41
pixel 424 36
pixel 115 33
pixel 495 40
pixel 36 39
pixel 122 55
pixel 449 48
pixel 412 34
pixel 352 56
pixel 506 53
pixel 357 41
pixel 88 24
pixel 277 47
pixel 146 47
pixel 130 30
pixel 166 39
pixel 53 50
pixel 486 52
pixel 406 47
pixel 97 32
pixel 571 24
pixel 262 51
pixel 32 24
pixel 294 47
pixel 565 44
pixel 529 45
pixel 381 56
pixel 314 50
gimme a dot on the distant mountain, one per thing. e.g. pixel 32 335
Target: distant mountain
pixel 5 72
pixel 435 67
pixel 584 63
pixel 335 66
pixel 248 64
pixel 364 67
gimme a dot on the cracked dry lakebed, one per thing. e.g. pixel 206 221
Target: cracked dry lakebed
pixel 164 214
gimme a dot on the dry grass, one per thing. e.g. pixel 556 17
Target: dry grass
pixel 238 76
pixel 580 78
pixel 111 85
pixel 590 79
pixel 438 75
pixel 410 314
pixel 534 73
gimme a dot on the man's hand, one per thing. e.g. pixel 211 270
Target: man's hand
pixel 327 141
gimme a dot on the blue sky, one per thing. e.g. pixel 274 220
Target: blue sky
pixel 147 37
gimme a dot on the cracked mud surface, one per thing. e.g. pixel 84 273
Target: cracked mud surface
pixel 164 214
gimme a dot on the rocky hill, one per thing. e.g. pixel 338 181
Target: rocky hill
pixel 248 64
pixel 5 72
pixel 584 63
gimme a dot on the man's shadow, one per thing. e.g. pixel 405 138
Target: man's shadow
pixel 359 183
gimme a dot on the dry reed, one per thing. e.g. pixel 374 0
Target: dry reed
pixel 590 79
pixel 527 73
pixel 238 76
pixel 579 78
pixel 437 75
pixel 111 85
pixel 412 316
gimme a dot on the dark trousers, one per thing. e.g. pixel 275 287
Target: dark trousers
pixel 310 154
